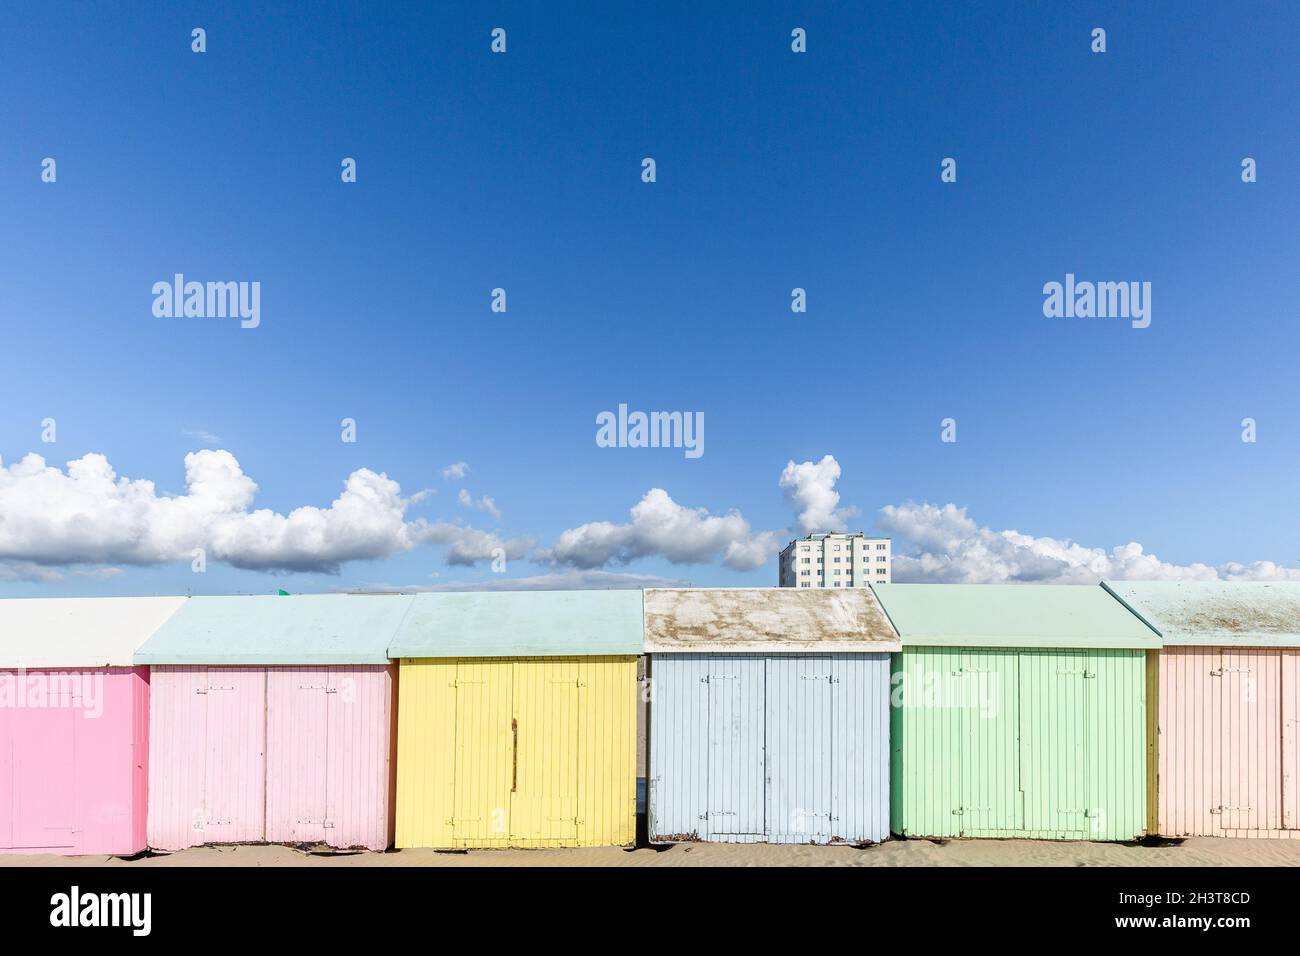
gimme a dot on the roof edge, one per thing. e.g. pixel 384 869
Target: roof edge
pixel 1132 610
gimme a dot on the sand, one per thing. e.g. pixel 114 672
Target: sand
pixel 1203 851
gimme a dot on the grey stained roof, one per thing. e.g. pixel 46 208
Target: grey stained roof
pixel 783 620
pixel 1224 613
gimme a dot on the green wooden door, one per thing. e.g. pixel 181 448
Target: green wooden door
pixel 989 771
pixel 1057 737
pixel 927 742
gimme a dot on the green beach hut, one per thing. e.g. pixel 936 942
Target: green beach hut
pixel 1017 711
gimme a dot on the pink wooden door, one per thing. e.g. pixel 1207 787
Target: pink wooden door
pixel 1190 747
pixel 1290 739
pixel 44 816
pixel 1252 729
pixel 178 740
pixel 234 798
pixel 6 774
pixel 297 751
pixel 360 714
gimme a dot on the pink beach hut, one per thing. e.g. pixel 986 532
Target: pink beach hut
pixel 1225 731
pixel 273 721
pixel 74 722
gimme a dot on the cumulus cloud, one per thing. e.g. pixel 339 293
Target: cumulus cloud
pixel 88 515
pixel 947 545
pixel 456 470
pixel 28 571
pixel 660 527
pixel 558 581
pixel 468 546
pixel 810 490
pixel 485 503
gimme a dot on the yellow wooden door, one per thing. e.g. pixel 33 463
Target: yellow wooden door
pixel 522 752
pixel 544 796
pixel 485 750
pixel 426 752
pixel 607 704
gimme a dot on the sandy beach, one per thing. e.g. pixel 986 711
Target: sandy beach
pixel 1203 851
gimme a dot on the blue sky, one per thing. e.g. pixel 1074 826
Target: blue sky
pixel 775 170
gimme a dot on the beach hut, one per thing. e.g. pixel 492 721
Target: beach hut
pixel 272 721
pixel 74 722
pixel 769 715
pixel 517 719
pixel 1018 711
pixel 1225 706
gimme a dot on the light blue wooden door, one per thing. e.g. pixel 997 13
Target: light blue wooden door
pixel 736 746
pixel 860 747
pixel 800 770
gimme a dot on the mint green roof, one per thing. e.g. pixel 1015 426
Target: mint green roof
pixel 1226 613
pixel 521 624
pixel 1012 615
pixel 297 629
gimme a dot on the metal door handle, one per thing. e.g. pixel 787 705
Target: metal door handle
pixel 514 754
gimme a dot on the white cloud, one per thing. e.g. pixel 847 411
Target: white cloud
pixel 560 581
pixel 90 516
pixel 660 527
pixel 810 489
pixel 202 434
pixel 468 546
pixel 28 571
pixel 102 573
pixel 485 503
pixel 457 470
pixel 949 546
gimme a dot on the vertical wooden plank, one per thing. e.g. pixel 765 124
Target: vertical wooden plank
pixel 1252 771
pixel 1290 757
pixel 296 735
pixel 426 753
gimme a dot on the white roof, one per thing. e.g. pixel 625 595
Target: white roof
pixel 79 632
